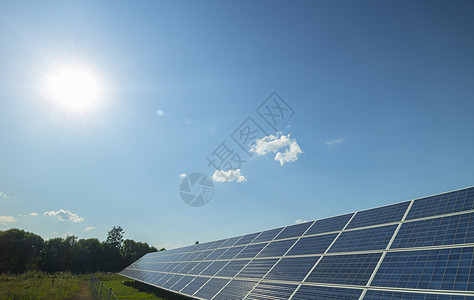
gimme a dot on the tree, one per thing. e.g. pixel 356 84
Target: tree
pixel 19 250
pixel 115 237
pixel 89 256
pixel 131 251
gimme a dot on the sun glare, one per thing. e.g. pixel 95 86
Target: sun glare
pixel 74 88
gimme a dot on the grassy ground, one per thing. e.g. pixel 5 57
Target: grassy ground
pixel 125 288
pixel 38 285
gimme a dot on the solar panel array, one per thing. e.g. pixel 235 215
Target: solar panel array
pixel 418 249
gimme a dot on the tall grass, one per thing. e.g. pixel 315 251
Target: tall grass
pixel 37 285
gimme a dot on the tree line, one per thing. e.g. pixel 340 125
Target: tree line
pixel 22 251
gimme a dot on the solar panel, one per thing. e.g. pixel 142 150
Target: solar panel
pixel 364 239
pixel 381 215
pixel 232 268
pixel 329 224
pixel 267 235
pixel 293 231
pixel 276 248
pixel 235 290
pixel 458 229
pixel 211 288
pixel 456 201
pixel 313 244
pixel 292 268
pixel 391 295
pixel 329 293
pixel 418 249
pixel 247 239
pixel 194 285
pixel 438 269
pixel 258 268
pixel 251 250
pixel 273 291
pixel 353 269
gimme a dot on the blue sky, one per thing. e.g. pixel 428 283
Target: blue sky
pixel 390 83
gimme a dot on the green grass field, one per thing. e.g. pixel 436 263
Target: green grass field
pixel 38 285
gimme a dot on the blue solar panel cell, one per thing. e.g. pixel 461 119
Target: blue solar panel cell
pixel 231 252
pixel 276 248
pixel 365 239
pixel 274 291
pixel 203 255
pixel 230 242
pixel 179 267
pixel 247 239
pixel 162 279
pixel 211 288
pixel 257 268
pixel 217 244
pixel 235 290
pixel 293 231
pixel 306 292
pixel 188 267
pixel 456 201
pixel 206 246
pixel 199 268
pixel 216 254
pixel 268 235
pixel 390 295
pixel 329 224
pixel 458 229
pixel 438 269
pixel 193 255
pixel 312 245
pixel 214 267
pixel 180 284
pixel 292 268
pixel 354 269
pixel 381 215
pixel 171 281
pixel 194 285
pixel 232 268
pixel 251 250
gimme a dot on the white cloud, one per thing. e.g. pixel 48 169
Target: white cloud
pixel 182 175
pixel 89 228
pixel 3 195
pixel 336 141
pixel 274 144
pixel 299 221
pixel 229 176
pixel 64 215
pixel 34 214
pixel 4 220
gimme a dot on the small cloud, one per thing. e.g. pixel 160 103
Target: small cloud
pixel 64 215
pixel 229 176
pixel 3 195
pixel 332 141
pixel 4 220
pixel 89 228
pixel 182 175
pixel 299 221
pixel 274 144
pixel 33 214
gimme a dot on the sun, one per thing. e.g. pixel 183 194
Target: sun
pixel 75 88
